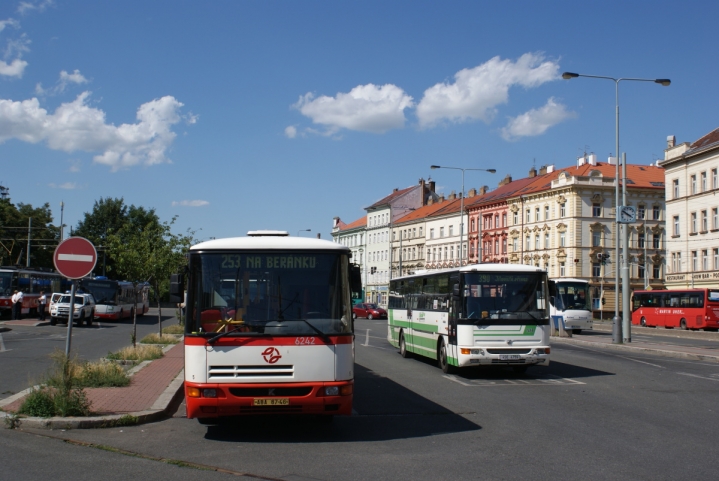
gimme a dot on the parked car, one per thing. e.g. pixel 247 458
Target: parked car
pixel 84 311
pixel 370 311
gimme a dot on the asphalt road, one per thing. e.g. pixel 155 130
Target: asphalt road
pixel 25 351
pixel 592 414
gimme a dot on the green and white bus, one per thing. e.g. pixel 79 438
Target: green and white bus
pixel 477 315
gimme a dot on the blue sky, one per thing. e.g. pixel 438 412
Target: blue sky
pixel 281 115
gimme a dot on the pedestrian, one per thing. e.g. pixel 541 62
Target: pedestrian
pixel 41 302
pixel 17 305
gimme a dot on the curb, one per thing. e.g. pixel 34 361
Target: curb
pixel 159 410
pixel 36 324
pixel 644 350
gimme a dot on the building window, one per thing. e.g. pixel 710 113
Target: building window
pixel 472 224
pixel 676 225
pixel 451 230
pixel 504 246
pixel 537 216
pixel 715 253
pixel 546 240
pixel 561 269
pixel 562 239
pixel 657 240
pixel 694 261
pixel 496 246
pixel 704 181
pixel 515 218
pixel 675 188
pixel 693 225
pixel 656 271
pixel 596 269
pixel 640 271
pixel 640 240
pixel 529 216
pixel 596 210
pixel 562 209
pixel 515 244
pixel 496 221
pixel 656 212
pixel 504 220
pixel 705 260
pixel 640 212
pixel 715 179
pixel 431 233
pixel 596 239
pixel 693 184
pixel 705 221
pixel 715 218
pixel 441 232
pixel 529 242
pixel 546 212
pixel 536 242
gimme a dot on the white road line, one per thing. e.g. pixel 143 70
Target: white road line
pixel 694 375
pixel 642 362
pixel 2 344
pixel 366 342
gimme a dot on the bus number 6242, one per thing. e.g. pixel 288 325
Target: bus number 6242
pixel 300 341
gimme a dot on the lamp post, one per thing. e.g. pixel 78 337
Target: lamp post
pixel 461 206
pixel 303 230
pixel 625 326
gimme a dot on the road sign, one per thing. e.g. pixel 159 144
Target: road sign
pixel 75 257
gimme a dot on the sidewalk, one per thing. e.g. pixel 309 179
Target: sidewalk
pixel 155 389
pixel 695 353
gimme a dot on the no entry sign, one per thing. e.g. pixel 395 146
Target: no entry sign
pixel 75 257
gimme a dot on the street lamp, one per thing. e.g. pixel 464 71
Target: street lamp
pixel 303 230
pixel 625 326
pixel 461 208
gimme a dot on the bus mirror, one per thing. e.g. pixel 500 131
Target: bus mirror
pixel 355 278
pixel 455 289
pixel 177 285
pixel 552 288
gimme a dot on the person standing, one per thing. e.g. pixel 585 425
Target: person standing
pixel 17 305
pixel 41 302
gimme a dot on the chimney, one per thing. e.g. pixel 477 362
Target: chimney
pixel 532 172
pixel 395 190
pixel 472 192
pixel 431 186
pixel 550 168
pixel 452 196
pixel 612 161
pixel 318 235
pixel 335 221
pixel 671 141
pixel 441 198
pixel 543 170
pixel 507 179
pixel 430 200
pixel 483 190
pixel 592 159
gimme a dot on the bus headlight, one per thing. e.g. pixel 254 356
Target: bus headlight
pixel 209 393
pixel 332 391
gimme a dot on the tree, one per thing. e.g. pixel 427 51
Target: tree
pixel 14 224
pixel 112 216
pixel 148 253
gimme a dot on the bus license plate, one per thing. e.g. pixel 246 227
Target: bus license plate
pixel 272 402
pixel 509 357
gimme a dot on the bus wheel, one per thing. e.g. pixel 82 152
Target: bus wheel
pixel 443 361
pixel 643 322
pixel 683 324
pixel 403 346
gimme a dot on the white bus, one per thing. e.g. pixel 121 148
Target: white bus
pixel 571 303
pixel 477 315
pixel 268 327
pixel 116 300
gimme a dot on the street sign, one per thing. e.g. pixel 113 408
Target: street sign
pixel 75 257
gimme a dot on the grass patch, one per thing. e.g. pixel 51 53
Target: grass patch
pixel 62 396
pixel 102 374
pixel 154 338
pixel 138 353
pixel 174 329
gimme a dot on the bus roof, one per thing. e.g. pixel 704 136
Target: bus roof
pixel 270 242
pixel 487 267
pixel 569 279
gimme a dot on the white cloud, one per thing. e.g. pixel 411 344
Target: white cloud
pixel 476 92
pixel 536 121
pixel 65 78
pixel 291 132
pixel 190 203
pixel 66 185
pixel 25 7
pixel 75 126
pixel 13 69
pixel 367 108
pixel 9 22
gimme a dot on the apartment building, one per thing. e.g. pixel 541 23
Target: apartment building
pixel 692 210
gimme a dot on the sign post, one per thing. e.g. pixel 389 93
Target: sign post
pixel 74 258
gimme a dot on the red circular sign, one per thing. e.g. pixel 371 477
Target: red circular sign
pixel 75 257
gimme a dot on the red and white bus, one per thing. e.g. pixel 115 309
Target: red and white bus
pixel 685 309
pixel 30 281
pixel 116 299
pixel 269 327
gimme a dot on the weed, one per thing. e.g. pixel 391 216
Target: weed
pixel 12 421
pixel 174 329
pixel 138 353
pixel 102 374
pixel 40 402
pixel 153 338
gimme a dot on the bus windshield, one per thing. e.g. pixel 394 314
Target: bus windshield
pixel 504 296
pixel 5 283
pixel 104 292
pixel 269 293
pixel 572 296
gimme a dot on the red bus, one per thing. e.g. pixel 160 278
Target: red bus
pixel 30 281
pixel 685 309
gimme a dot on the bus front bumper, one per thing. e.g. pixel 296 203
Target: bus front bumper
pixel 211 400
pixel 474 356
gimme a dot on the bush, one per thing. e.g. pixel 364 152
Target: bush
pixel 155 339
pixel 39 403
pixel 137 353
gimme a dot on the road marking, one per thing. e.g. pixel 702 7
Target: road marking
pixel 694 375
pixel 2 344
pixel 642 362
pixel 551 380
pixel 366 342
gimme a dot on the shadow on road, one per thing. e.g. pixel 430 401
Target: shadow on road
pixel 385 410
